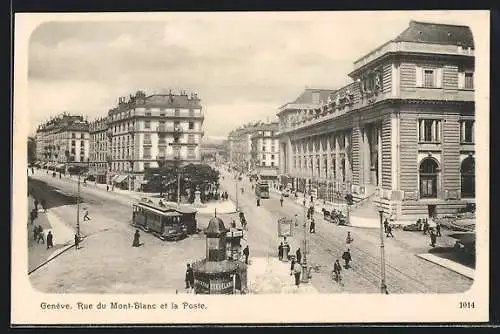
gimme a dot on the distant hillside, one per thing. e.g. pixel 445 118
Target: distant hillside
pixel 212 140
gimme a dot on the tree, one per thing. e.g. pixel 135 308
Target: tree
pixel 192 177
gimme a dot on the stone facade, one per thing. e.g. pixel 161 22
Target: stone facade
pixel 401 135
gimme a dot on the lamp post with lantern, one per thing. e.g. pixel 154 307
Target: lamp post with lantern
pixel 383 286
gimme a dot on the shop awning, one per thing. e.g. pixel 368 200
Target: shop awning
pixel 120 178
pixel 268 172
pixel 60 166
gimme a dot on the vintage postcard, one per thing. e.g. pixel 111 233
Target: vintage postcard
pixel 257 167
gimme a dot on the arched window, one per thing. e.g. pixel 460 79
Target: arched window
pixel 468 176
pixel 428 178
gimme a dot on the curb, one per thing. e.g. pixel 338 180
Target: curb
pixel 423 256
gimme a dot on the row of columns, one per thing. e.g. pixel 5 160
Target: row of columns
pixel 321 156
pixel 318 156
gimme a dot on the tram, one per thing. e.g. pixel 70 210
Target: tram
pixel 163 220
pixel 262 189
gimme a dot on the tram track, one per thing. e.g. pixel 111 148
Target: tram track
pixel 366 265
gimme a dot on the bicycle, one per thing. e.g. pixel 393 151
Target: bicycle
pixel 337 277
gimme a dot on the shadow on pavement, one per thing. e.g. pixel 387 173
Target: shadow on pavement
pixel 450 253
pixel 52 195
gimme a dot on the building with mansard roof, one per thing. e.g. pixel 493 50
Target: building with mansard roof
pixel 400 137
pixel 147 131
pixel 63 141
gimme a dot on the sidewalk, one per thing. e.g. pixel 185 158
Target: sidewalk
pixel 38 252
pixel 451 265
pixel 269 275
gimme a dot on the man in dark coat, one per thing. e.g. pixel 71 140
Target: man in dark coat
pixel 36 204
pixel 246 252
pixel 44 205
pixel 137 236
pixel 347 258
pixel 389 231
pixel 77 241
pixel 281 200
pixel 50 242
pixel 386 223
pixel 433 238
pixel 189 277
pixel 312 226
pixel 438 229
pixel 33 215
pixel 40 235
pixel 298 255
pixel 280 251
pixel 35 233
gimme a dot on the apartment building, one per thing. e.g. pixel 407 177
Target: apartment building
pixel 141 131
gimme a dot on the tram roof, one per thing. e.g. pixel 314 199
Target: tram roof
pixel 166 206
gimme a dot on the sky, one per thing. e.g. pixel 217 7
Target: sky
pixel 242 65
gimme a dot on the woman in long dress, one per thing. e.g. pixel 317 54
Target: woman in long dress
pixel 137 235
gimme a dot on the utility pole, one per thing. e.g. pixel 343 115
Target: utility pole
pixel 236 185
pixel 178 184
pixel 383 286
pixel 305 273
pixel 78 207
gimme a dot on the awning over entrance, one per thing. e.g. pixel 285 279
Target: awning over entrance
pixel 268 172
pixel 60 166
pixel 120 178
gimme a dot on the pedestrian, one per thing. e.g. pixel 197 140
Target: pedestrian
pixel 281 200
pixel 286 249
pixel 36 204
pixel 296 220
pixel 35 233
pixel 60 175
pixel 312 226
pixel 298 255
pixel 386 223
pixel 348 239
pixel 189 277
pixel 233 224
pixel 389 231
pixel 246 252
pixel 304 202
pixel 426 226
pixel 137 236
pixel 438 229
pixel 291 265
pixel 347 258
pixel 297 270
pixel 33 215
pixel 433 238
pixel 258 201
pixel 50 237
pixel 337 269
pixel 44 205
pixel 107 187
pixel 40 235
pixel 32 170
pixel 312 199
pixel 280 251
pixel 77 241
pixel 86 215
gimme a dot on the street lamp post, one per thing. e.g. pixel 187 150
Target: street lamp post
pixel 305 273
pixel 78 207
pixel 236 185
pixel 383 286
